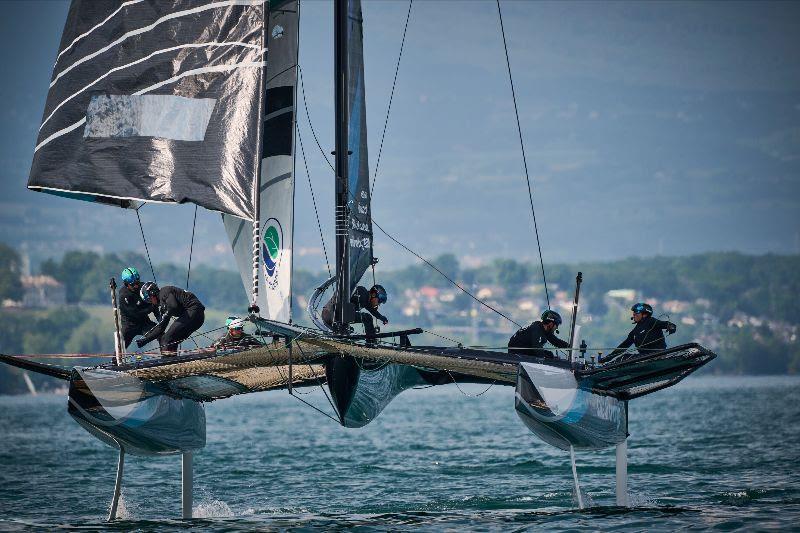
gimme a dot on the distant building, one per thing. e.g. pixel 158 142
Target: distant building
pixel 42 291
pixel 627 295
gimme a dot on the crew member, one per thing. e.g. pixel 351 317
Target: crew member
pixel 530 340
pixel 235 337
pixel 184 306
pixel 133 311
pixel 646 334
pixel 366 304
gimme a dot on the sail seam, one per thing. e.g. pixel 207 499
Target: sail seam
pixel 145 29
pixel 216 68
pixel 141 60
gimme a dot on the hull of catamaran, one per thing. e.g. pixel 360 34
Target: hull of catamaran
pixel 132 414
pixel 360 390
pixel 552 404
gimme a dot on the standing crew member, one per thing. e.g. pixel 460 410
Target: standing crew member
pixel 175 302
pixel 529 340
pixel 235 337
pixel 134 312
pixel 646 334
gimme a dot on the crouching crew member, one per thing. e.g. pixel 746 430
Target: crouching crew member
pixel 646 334
pixel 530 340
pixel 235 337
pixel 366 304
pixel 133 311
pixel 184 306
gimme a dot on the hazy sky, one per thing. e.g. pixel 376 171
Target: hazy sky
pixel 649 127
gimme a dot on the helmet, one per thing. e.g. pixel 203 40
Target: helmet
pixel 381 293
pixel 130 276
pixel 551 316
pixel 148 289
pixel 234 322
pixel 642 308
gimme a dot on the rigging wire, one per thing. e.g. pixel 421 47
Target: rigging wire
pixel 522 148
pixel 308 116
pixel 314 201
pixel 146 249
pixel 375 223
pixel 445 276
pixel 391 97
pixel 191 248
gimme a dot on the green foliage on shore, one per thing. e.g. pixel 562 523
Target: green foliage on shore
pixel 734 284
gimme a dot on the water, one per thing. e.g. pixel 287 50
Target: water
pixel 710 453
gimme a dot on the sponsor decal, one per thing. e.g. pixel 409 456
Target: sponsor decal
pixel 271 244
pixel 277 31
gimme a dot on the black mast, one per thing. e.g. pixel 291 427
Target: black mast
pixel 341 82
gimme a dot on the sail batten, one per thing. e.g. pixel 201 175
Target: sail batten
pixel 156 101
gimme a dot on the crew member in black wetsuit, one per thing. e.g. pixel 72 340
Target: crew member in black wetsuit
pixel 646 334
pixel 235 338
pixel 172 301
pixel 366 304
pixel 529 340
pixel 133 311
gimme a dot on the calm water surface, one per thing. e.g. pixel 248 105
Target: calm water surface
pixel 711 453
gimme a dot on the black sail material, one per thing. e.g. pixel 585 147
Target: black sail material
pixel 156 101
pixel 360 223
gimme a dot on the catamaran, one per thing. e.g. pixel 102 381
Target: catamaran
pixel 185 101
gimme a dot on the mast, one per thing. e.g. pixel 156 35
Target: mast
pixel 341 83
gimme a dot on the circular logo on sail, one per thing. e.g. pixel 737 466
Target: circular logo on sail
pixel 271 243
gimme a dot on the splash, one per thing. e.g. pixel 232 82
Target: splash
pixel 212 509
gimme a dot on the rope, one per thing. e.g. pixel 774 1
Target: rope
pixel 458 343
pixel 391 97
pixel 314 201
pixel 191 248
pixel 141 229
pixel 522 148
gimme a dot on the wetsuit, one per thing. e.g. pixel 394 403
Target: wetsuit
pixel 229 342
pixel 189 315
pixel 360 300
pixel 529 341
pixel 646 335
pixel 134 314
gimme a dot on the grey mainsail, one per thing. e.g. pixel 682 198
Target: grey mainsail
pixel 276 180
pixel 156 101
pixel 359 203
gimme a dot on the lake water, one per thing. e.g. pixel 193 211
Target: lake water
pixel 710 453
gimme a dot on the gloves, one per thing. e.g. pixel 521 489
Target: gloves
pixel 385 322
pixel 671 328
pixel 140 342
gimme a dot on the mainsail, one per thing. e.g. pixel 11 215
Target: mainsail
pixel 359 203
pixel 276 182
pixel 156 101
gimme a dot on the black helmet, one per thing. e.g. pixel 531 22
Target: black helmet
pixel 148 289
pixel 380 293
pixel 551 316
pixel 642 308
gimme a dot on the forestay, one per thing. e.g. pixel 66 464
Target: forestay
pixel 156 101
pixel 276 180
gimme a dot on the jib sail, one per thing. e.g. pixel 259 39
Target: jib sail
pixel 276 184
pixel 360 223
pixel 156 101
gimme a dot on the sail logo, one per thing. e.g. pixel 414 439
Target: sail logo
pixel 277 31
pixel 271 242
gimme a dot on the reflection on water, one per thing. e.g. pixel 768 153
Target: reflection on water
pixel 712 452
